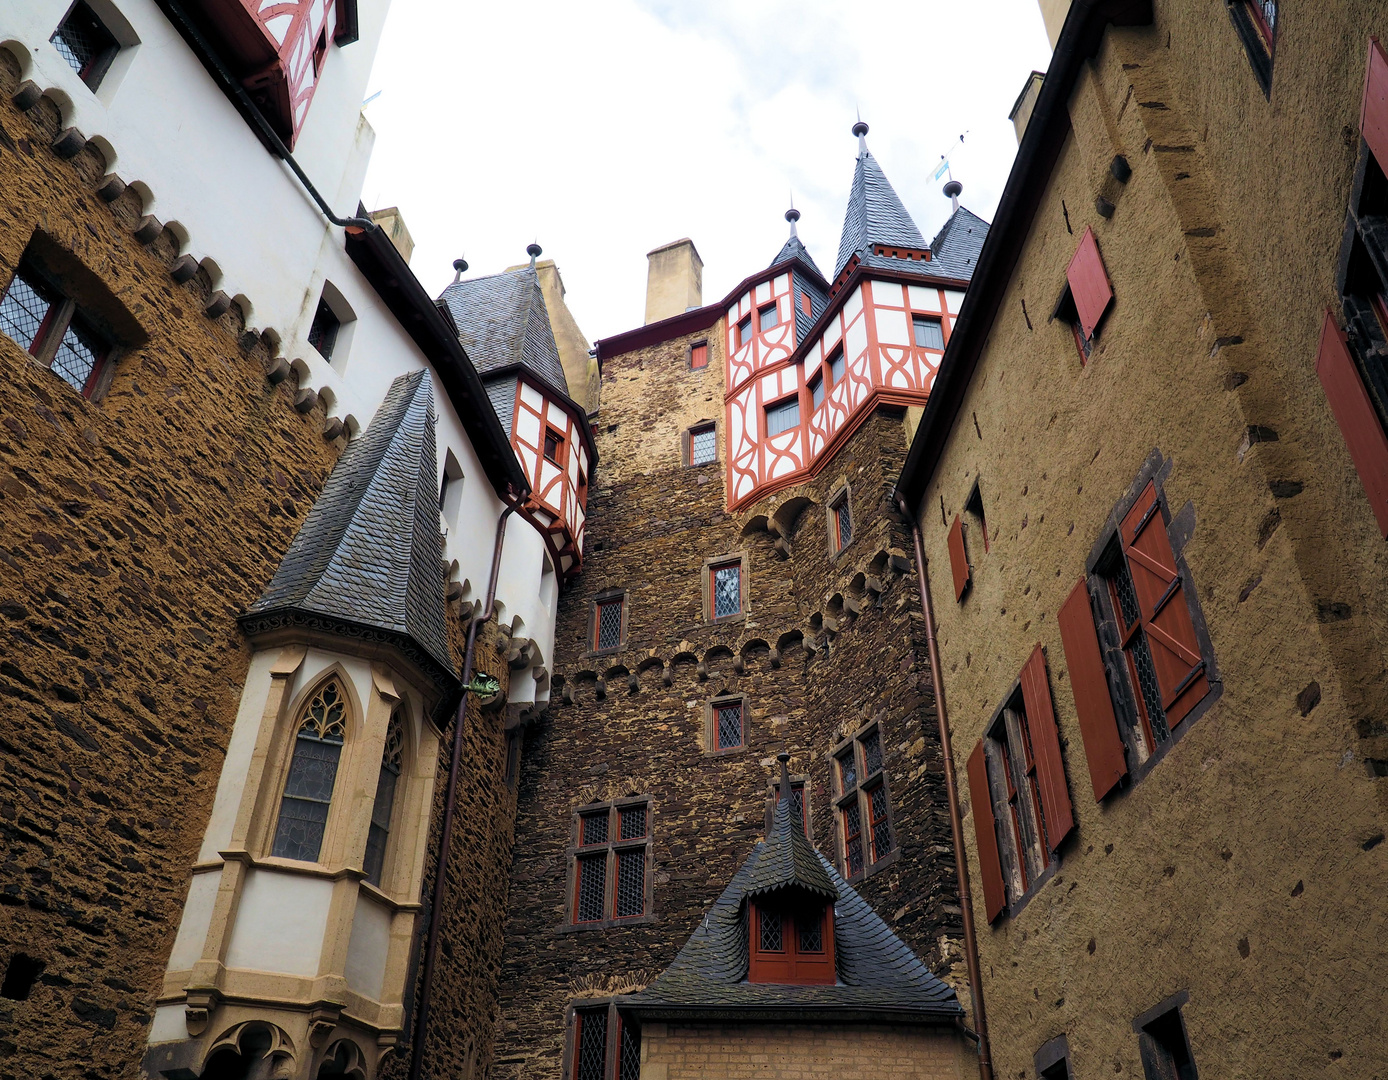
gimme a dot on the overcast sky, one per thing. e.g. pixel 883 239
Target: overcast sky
pixel 608 128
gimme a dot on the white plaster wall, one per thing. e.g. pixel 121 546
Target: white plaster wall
pixel 232 782
pixel 368 948
pixel 280 923
pixel 197 917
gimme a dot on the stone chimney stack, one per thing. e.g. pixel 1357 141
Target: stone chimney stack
pixel 675 280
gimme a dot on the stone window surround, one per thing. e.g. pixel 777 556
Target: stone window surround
pixel 614 1045
pixel 1261 53
pixel 1155 470
pixel 706 586
pixel 1173 1004
pixel 711 748
pixel 574 849
pixel 842 493
pixel 600 598
pixel 1052 1061
pixel 689 354
pixel 687 444
pixel 860 792
pixel 802 779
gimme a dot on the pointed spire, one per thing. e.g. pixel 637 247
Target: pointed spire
pixel 367 563
pixel 875 214
pixel 534 250
pixel 860 129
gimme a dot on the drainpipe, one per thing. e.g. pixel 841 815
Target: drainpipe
pixel 956 820
pixel 431 946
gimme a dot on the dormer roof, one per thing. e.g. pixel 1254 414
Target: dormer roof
pixel 503 324
pixel 367 563
pixel 787 860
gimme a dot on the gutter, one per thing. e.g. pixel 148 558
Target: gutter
pixel 1080 39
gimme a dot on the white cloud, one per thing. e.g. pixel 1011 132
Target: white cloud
pixel 606 129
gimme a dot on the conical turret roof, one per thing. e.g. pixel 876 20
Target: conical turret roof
pixel 875 213
pixel 367 562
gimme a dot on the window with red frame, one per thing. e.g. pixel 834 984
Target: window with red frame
pixel 607 623
pixel 729 731
pixel 841 522
pixel 606 1045
pixel 788 944
pixel 1256 24
pixel 863 803
pixel 554 446
pixel 725 589
pixel 37 317
pixel 610 862
pixel 698 355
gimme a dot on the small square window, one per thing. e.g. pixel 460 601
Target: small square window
pixel 322 333
pixel 608 624
pixel 768 316
pixel 783 416
pixel 726 590
pixel 930 333
pixel 703 445
pixel 744 330
pixel 698 355
pixel 84 42
pixel 554 446
pixel 729 724
pixel 594 828
pixel 51 328
pixel 817 389
pixel 1164 1043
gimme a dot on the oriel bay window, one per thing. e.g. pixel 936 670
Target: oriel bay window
pixel 610 859
pixel 863 803
pixel 603 1044
pixel 1018 793
pixel 1141 672
pixel 308 789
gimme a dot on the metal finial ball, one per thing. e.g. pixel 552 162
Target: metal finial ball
pixel 534 250
pixel 860 129
pixel 953 188
pixel 792 214
pixel 460 265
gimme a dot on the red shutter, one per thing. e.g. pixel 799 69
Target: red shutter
pixel 1373 115
pixel 1089 284
pixel 698 356
pixel 1354 412
pixel 1057 816
pixel 958 561
pixel 1166 620
pixel 1102 744
pixel 981 801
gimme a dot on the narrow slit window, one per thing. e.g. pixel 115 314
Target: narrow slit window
pixel 974 509
pixel 842 521
pixel 378 834
pixel 930 333
pixel 308 789
pixel 783 416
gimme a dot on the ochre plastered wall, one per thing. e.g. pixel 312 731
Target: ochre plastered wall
pixel 1247 867
pixel 785 1052
pixel 822 651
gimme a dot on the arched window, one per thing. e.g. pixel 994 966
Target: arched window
pixel 308 789
pixel 379 833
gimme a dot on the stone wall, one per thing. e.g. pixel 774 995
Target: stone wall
pixel 825 645
pixel 785 1052
pixel 1246 867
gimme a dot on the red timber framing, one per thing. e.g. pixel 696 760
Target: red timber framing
pixel 278 49
pixel 552 442
pixel 789 944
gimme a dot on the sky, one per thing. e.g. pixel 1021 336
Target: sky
pixel 605 129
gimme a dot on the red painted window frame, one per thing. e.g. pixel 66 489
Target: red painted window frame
pixel 712 580
pixel 790 966
pixel 620 603
pixel 598 853
pixel 558 458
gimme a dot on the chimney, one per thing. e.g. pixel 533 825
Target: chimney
pixel 674 281
pixel 1053 14
pixel 1026 102
pixel 393 225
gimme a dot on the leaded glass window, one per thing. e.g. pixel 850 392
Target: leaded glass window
pixel 727 590
pixel 630 1066
pixel 85 43
pixel 308 789
pixel 863 802
pixel 79 354
pixel 590 1057
pixel 609 624
pixel 848 771
pixel 852 838
pixel 50 328
pixel 25 306
pixel 811 934
pixel 633 822
pixel 843 524
pixel 323 331
pixel 631 883
pixel 595 828
pixel 1139 655
pixel 881 828
pixel 609 856
pixel 379 832
pixel 592 879
pixel 769 931
pixel 703 445
pixel 729 722
pixel 872 753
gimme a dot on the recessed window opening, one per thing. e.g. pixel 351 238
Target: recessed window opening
pixel 320 51
pixel 973 507
pixel 929 332
pixel 728 724
pixel 744 330
pixel 783 416
pixel 703 444
pixel 323 331
pixel 21 973
pixel 725 589
pixel 841 522
pixel 554 446
pixel 1016 797
pixel 610 862
pixel 1256 24
pixel 378 833
pixel 608 623
pixel 514 741
pixel 768 316
pixel 451 489
pixel 698 355
pixel 1165 1044
pixel 36 316
pixel 308 789
pixel 85 43
pixel 836 365
pixel 817 389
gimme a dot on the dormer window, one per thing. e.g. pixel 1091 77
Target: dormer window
pixel 789 943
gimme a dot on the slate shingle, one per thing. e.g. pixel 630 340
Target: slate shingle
pixel 502 321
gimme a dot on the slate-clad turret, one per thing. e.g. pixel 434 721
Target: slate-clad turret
pixel 368 560
pixel 875 214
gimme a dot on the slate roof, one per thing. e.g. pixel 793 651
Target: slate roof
pixel 368 560
pixel 787 859
pixel 502 321
pixel 879 977
pixel 875 214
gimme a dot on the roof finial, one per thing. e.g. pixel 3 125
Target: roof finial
pixel 784 759
pixel 459 268
pixel 534 250
pixel 860 129
pixel 793 215
pixel 952 188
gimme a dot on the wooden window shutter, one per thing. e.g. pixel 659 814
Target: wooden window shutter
pixel 1166 620
pixel 958 560
pixel 1354 412
pixel 1089 284
pixel 1057 815
pixel 1373 115
pixel 981 800
pixel 1103 746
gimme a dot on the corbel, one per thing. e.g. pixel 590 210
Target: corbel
pixel 384 684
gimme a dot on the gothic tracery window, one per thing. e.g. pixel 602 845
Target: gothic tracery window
pixel 308 789
pixel 378 834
